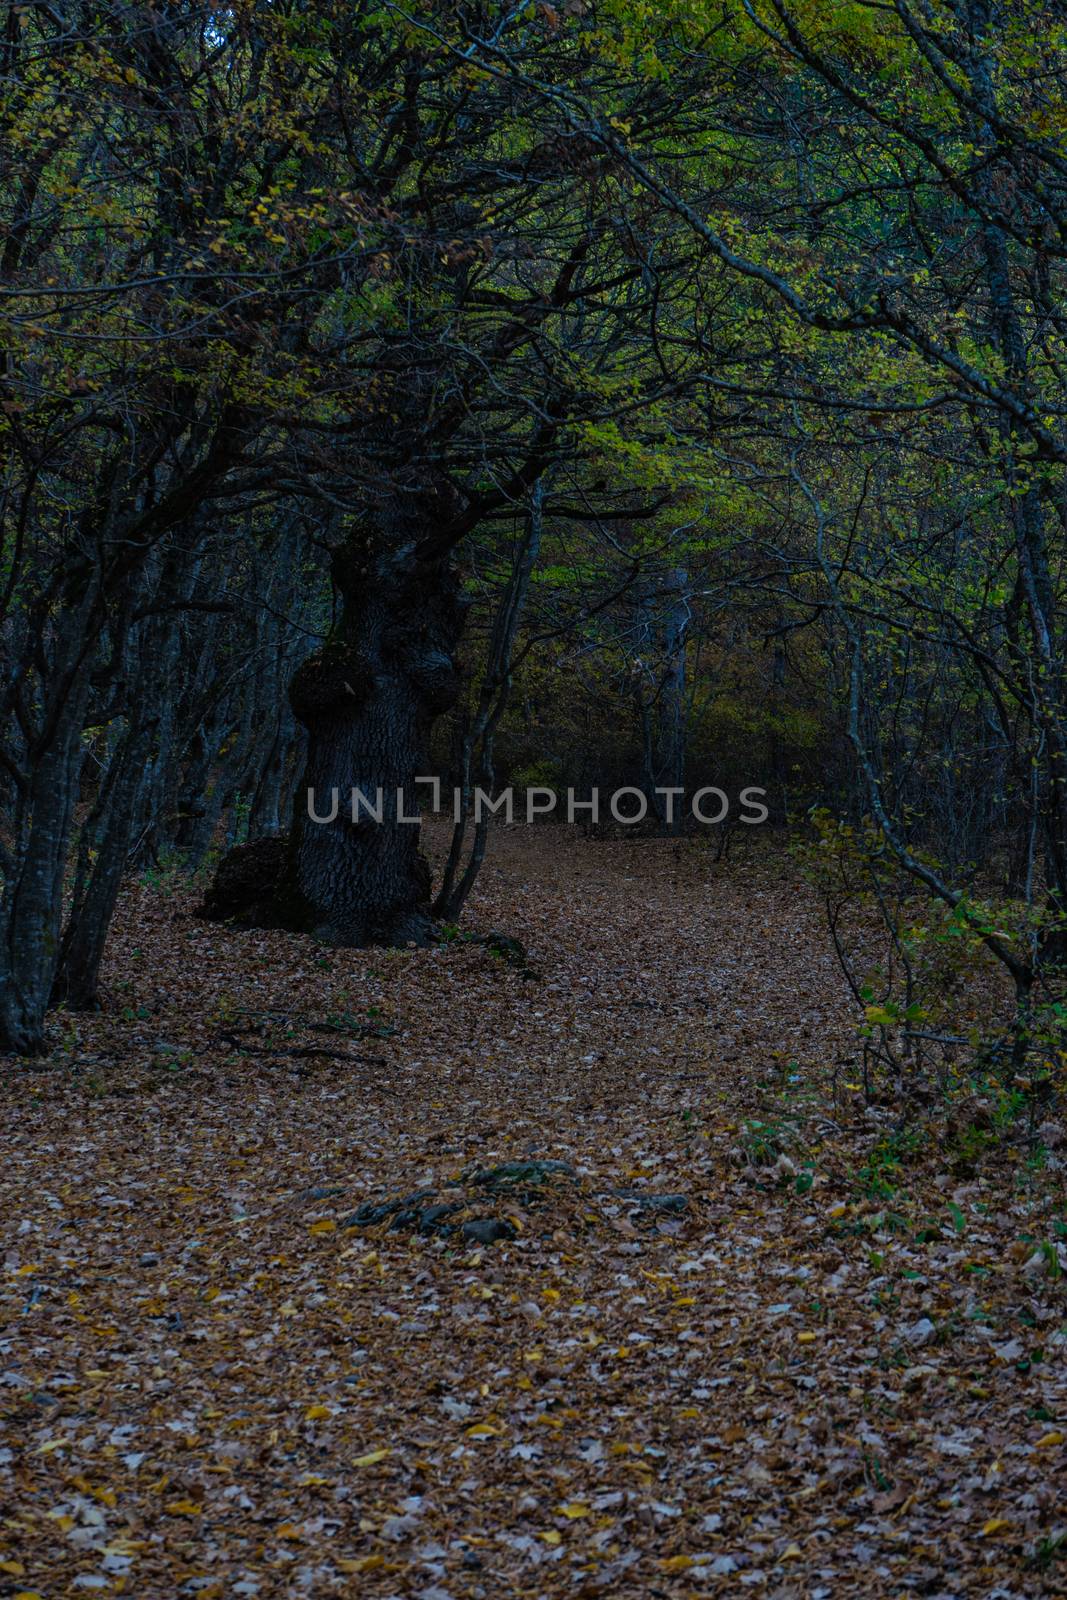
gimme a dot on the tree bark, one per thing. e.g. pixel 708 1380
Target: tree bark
pixel 368 700
pixel 673 706
pixel 77 980
pixel 475 764
pixel 31 907
pixel 1031 547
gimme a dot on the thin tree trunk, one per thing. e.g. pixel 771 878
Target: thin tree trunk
pixel 77 980
pixel 672 694
pixel 31 908
pixel 1031 546
pixel 476 751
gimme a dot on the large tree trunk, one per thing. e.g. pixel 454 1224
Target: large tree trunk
pixel 368 700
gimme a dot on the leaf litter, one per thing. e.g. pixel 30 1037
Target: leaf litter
pixel 570 1290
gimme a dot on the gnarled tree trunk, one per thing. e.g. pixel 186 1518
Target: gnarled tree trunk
pixel 368 700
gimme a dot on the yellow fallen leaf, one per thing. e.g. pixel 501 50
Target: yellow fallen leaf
pixel 327 1225
pixel 359 1563
pixel 52 1444
pixel 183 1508
pixel 371 1458
pixel 792 1552
pixel 676 1563
pixel 288 1530
pixel 574 1509
pixel 29 1594
pixel 994 1526
pixel 15 1568
pixel 806 1338
pixel 482 1430
pixel 689 1411
pixel 1048 1441
pixel 316 1413
pixel 552 1537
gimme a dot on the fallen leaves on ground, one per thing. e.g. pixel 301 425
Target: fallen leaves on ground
pixel 414 1275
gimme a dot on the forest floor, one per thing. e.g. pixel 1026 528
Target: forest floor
pixel 741 1338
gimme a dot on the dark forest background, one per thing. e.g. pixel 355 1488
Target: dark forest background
pixel 555 395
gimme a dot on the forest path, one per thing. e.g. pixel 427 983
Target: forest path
pixel 236 1366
